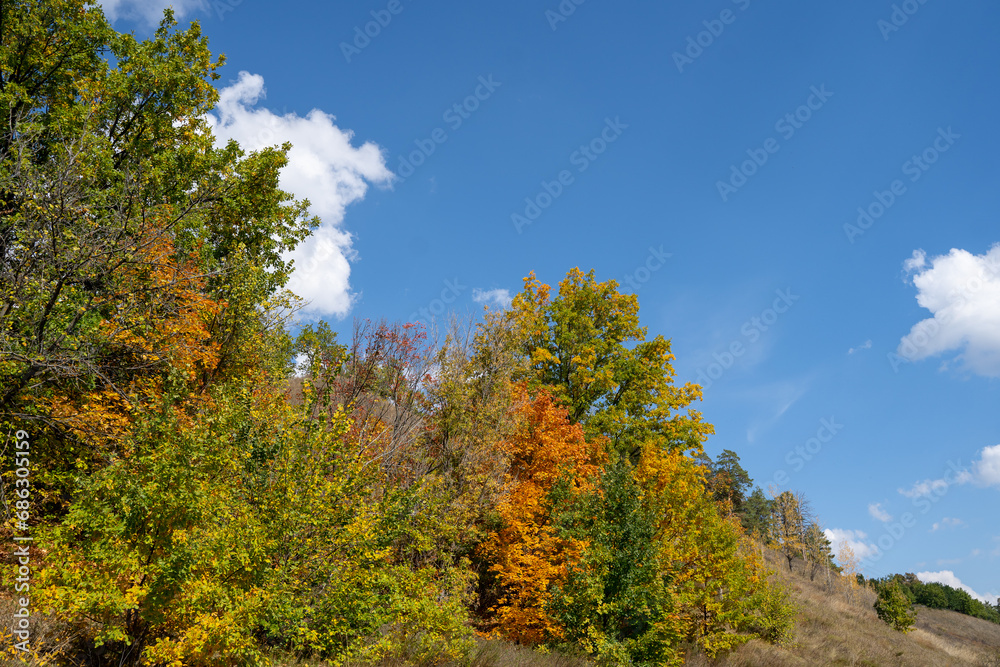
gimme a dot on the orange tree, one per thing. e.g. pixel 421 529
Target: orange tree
pixel 529 556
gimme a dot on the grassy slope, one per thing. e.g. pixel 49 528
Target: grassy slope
pixel 833 629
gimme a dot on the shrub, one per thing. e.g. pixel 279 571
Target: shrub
pixel 894 607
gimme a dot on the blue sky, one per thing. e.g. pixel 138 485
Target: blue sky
pixel 822 176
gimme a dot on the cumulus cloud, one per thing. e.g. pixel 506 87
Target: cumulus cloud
pixel 948 578
pixel 962 291
pixel 867 345
pixel 986 470
pixel 323 167
pixel 946 522
pixel 150 11
pixel 498 297
pixel 853 538
pixel 875 509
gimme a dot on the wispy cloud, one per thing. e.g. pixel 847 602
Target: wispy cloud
pixel 946 522
pixel 875 509
pixel 867 345
pixel 776 399
pixel 149 11
pixel 497 297
pixel 985 471
pixel 926 488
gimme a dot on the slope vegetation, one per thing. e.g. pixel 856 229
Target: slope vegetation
pixel 836 625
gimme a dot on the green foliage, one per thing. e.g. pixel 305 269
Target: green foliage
pixel 161 550
pixel 663 568
pixel 728 480
pixel 894 607
pixel 941 596
pixel 756 515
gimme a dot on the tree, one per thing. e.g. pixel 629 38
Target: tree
pixel 728 480
pixel 648 583
pixel 788 526
pixel 817 550
pixel 849 563
pixel 586 345
pixel 894 607
pixel 756 517
pixel 527 552
pixel 105 154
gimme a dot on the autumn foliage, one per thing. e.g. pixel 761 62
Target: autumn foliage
pixel 221 483
pixel 527 553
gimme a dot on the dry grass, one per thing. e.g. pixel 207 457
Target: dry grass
pixel 48 640
pixel 488 653
pixel 832 629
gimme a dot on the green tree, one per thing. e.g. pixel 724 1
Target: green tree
pixel 756 515
pixel 104 154
pixel 728 480
pixel 894 607
pixel 818 550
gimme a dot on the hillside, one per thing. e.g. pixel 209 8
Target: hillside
pixel 832 629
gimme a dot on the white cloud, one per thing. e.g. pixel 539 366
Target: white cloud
pixel 854 538
pixel 149 11
pixel 875 509
pixel 948 578
pixel 323 167
pixel 987 469
pixel 498 297
pixel 962 291
pixel 946 522
pixel 917 262
pixel 867 345
pixel 926 488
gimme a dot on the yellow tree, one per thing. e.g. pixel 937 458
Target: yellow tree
pixel 586 345
pixel 719 590
pixel 788 526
